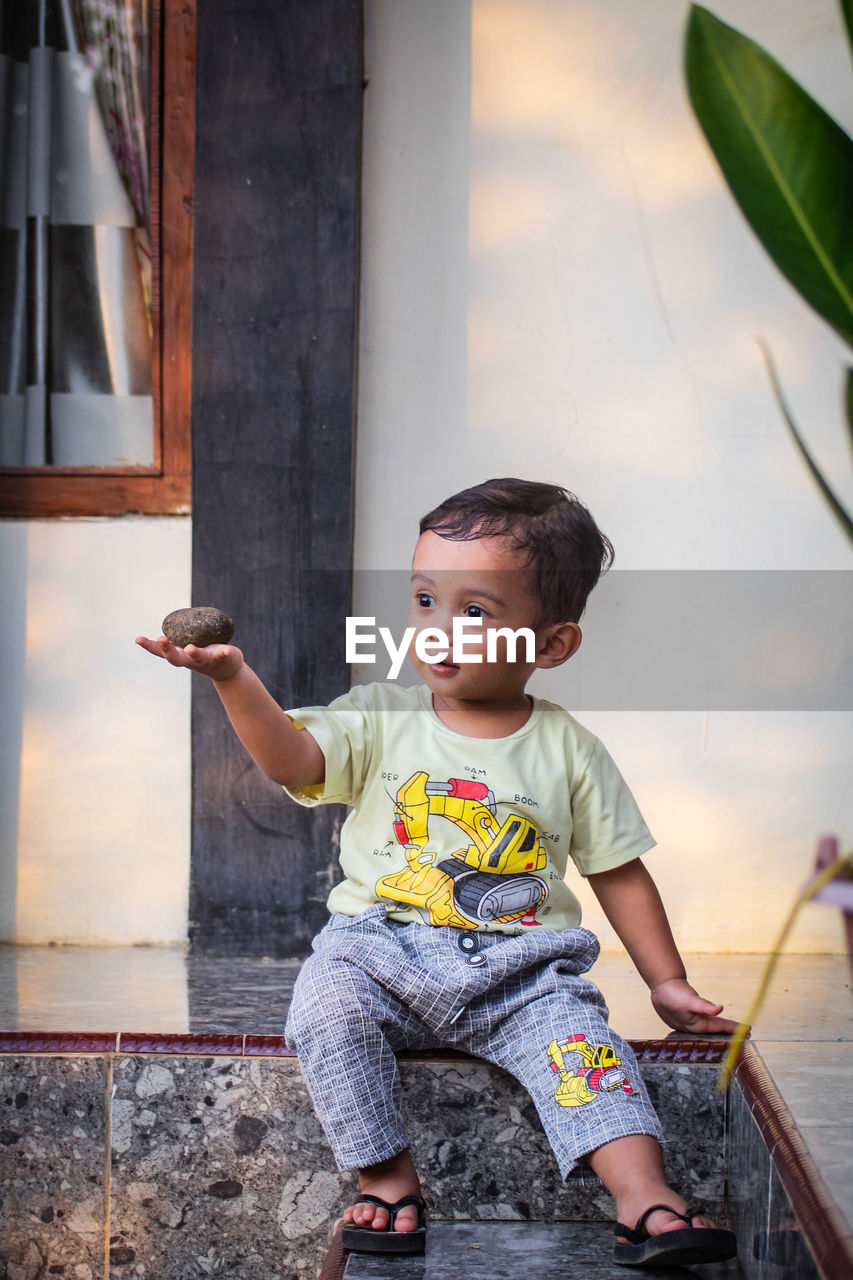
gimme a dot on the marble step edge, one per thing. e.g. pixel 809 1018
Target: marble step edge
pixel 827 1233
pixel 461 1251
pixel 675 1048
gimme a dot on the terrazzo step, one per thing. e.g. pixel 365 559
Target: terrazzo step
pixel 217 1163
pixel 204 1141
pixel 515 1251
pixel 482 1153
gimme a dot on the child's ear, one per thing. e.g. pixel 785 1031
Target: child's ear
pixel 557 643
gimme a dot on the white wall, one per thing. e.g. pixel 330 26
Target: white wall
pixel 556 284
pixel 94 741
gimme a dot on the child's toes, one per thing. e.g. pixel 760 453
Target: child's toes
pixel 406 1219
pixel 364 1214
pixel 662 1221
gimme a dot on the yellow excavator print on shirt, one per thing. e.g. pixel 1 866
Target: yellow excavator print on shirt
pixel 488 880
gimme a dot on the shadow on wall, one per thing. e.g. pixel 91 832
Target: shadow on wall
pixel 13 596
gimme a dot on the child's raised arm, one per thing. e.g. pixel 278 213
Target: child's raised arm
pixel 629 898
pixel 286 754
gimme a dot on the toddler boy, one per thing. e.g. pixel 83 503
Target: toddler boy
pixel 453 925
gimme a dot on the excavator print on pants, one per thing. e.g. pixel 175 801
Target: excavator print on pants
pixel 488 880
pixel 599 1071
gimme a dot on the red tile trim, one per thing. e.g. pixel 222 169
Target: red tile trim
pixel 230 1046
pixel 676 1050
pixel 255 1046
pixel 58 1042
pixel 824 1227
pixel 266 1047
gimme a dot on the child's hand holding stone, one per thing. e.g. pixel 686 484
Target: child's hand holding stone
pixel 218 661
pixel 197 639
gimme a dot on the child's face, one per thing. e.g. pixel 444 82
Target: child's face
pixel 484 578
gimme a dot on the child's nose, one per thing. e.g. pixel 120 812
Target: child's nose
pixel 442 619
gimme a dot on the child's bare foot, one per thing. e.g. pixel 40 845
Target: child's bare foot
pixel 647 1209
pixel 391 1180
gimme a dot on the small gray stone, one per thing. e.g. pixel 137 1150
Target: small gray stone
pixel 200 626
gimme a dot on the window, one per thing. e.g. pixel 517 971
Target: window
pixel 65 379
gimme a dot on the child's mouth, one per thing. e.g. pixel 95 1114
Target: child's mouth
pixel 443 668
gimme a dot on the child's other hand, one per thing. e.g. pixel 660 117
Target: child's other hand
pixel 685 1010
pixel 218 661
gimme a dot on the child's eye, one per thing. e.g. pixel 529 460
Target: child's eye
pixel 474 611
pixel 425 600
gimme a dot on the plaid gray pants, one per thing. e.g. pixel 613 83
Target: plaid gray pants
pixel 375 986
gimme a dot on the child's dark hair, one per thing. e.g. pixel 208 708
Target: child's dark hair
pixel 566 549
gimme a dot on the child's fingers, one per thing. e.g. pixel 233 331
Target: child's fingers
pixel 159 648
pixel 706 1019
pixel 695 1014
pixel 209 659
pixel 702 1023
pixel 722 1024
pixel 218 661
pixel 163 648
pixel 209 652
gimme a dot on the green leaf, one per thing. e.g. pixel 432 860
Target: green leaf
pixel 841 515
pixel 789 165
pixel 848 403
pixel 847 14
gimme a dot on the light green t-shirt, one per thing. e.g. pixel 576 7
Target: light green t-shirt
pixel 475 833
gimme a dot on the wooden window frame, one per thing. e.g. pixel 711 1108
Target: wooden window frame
pixel 163 488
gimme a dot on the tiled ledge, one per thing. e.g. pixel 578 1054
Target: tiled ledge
pixel 143 1158
pixel 186 1045
pixel 675 1048
pixel 216 1021
pixel 162 990
pixel 785 1156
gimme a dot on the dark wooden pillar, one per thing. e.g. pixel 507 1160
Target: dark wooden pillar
pixel 278 123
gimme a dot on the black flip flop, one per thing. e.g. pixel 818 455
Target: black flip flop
pixel 369 1240
pixel 672 1248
